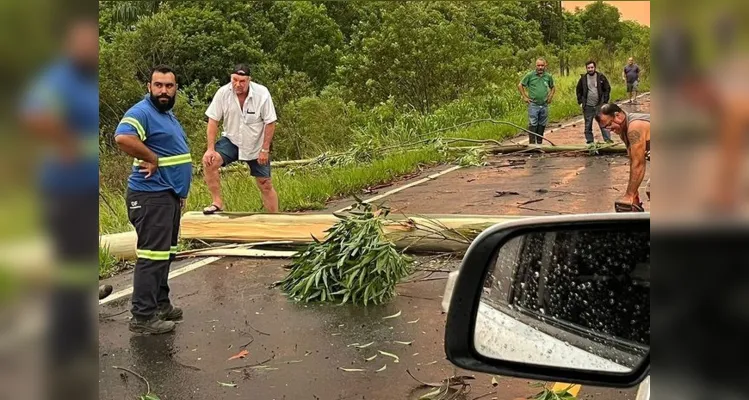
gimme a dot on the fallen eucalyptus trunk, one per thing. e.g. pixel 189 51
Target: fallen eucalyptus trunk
pixel 423 233
pixel 416 233
pixel 603 149
pixel 198 168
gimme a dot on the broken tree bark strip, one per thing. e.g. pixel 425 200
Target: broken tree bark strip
pixel 240 253
pixel 236 246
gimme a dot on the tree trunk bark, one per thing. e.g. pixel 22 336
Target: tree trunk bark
pixel 427 233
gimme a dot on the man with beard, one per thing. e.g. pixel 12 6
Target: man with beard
pixel 634 130
pixel 593 90
pixel 537 89
pixel 157 188
pixel 249 121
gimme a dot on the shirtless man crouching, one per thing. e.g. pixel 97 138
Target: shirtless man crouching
pixel 634 130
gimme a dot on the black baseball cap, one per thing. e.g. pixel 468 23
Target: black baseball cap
pixel 241 69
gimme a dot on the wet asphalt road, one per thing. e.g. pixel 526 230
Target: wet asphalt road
pixel 295 351
pixel 229 307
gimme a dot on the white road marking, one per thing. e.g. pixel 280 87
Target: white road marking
pixel 190 267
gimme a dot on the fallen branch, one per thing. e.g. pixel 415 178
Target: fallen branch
pixel 608 149
pixel 451 381
pixel 530 202
pixel 484 395
pixel 251 365
pixel 148 385
pixel 440 278
pixel 256 330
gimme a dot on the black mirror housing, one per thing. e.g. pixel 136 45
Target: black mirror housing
pixel 460 345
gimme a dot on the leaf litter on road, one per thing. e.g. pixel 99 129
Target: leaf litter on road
pixel 241 354
pixel 384 353
pixel 352 369
pixel 396 315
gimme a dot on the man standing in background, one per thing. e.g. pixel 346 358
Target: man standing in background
pixel 593 89
pixel 61 112
pixel 631 75
pixel 537 89
pixel 157 188
pixel 249 120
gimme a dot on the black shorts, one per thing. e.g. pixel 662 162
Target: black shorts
pixel 230 153
pixel 632 86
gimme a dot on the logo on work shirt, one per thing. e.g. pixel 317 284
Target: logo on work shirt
pixel 134 205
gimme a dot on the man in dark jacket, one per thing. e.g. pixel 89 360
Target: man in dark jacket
pixel 593 90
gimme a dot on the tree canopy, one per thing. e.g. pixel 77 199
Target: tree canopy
pixel 350 57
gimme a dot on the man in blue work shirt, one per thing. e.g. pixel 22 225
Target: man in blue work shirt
pixel 157 189
pixel 61 111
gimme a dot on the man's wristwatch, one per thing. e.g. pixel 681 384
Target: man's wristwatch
pixel 264 151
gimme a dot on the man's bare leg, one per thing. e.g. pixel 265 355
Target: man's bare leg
pixel 268 193
pixel 213 181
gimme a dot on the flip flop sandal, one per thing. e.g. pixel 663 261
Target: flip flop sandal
pixel 624 207
pixel 212 209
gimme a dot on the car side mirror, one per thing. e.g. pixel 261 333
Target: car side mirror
pixel 556 298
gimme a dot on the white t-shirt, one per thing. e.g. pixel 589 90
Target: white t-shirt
pixel 245 126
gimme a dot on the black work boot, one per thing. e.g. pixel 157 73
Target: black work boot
pixel 540 130
pixel 532 137
pixel 153 325
pixel 170 313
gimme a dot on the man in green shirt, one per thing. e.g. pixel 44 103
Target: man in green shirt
pixel 537 89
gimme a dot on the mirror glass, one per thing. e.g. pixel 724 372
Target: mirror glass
pixel 572 298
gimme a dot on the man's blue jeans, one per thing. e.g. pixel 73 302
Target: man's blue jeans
pixel 589 113
pixel 538 117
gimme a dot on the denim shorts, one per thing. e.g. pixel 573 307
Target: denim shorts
pixel 230 153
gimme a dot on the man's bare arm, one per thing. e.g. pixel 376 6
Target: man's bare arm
pixel 551 94
pixel 51 129
pixel 270 129
pixel 523 93
pixel 636 161
pixel 132 146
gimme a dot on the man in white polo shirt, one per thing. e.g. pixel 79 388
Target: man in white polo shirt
pixel 249 120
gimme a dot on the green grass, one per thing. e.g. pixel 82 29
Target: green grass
pixel 108 265
pixel 312 188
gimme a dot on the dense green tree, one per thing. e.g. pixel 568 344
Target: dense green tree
pixel 602 21
pixel 311 42
pixel 341 72
pixel 504 23
pixel 415 55
pixel 550 18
